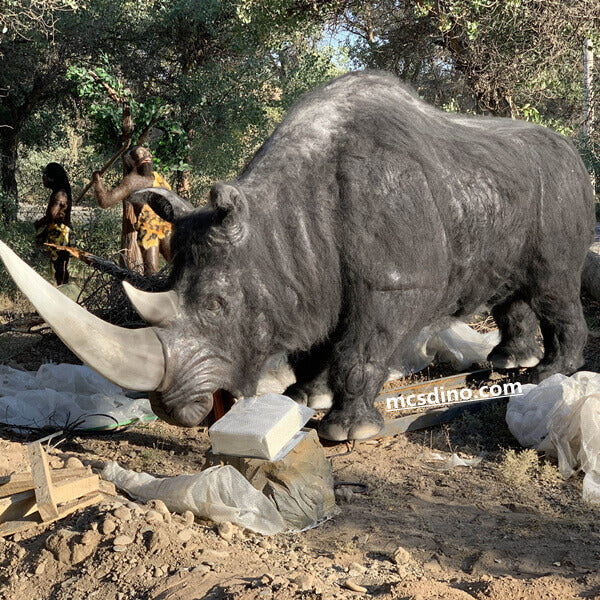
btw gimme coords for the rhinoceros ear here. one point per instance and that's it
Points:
(165, 203)
(231, 212)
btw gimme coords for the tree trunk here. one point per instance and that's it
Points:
(183, 184)
(588, 74)
(9, 139)
(9, 199)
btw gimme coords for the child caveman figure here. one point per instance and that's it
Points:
(55, 226)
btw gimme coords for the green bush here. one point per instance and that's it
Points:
(8, 206)
(79, 167)
(100, 235)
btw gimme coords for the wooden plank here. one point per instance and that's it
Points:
(44, 489)
(448, 383)
(17, 485)
(107, 488)
(432, 418)
(21, 482)
(12, 527)
(17, 506)
(71, 507)
(24, 503)
(75, 488)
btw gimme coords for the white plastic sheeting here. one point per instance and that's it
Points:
(458, 344)
(561, 416)
(219, 493)
(59, 395)
(444, 462)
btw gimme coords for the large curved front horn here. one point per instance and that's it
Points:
(130, 358)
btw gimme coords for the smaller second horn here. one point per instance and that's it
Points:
(154, 307)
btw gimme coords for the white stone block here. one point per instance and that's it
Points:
(258, 427)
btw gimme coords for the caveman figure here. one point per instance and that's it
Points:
(153, 233)
(55, 226)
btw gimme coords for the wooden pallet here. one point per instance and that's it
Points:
(44, 495)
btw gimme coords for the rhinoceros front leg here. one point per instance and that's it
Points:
(355, 385)
(374, 326)
(358, 368)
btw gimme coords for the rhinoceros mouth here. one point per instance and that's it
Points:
(189, 415)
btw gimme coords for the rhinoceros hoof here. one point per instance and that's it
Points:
(351, 423)
(502, 358)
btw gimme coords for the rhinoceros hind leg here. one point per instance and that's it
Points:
(518, 346)
(563, 328)
(315, 394)
(298, 393)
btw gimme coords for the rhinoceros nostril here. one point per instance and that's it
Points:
(188, 415)
(159, 410)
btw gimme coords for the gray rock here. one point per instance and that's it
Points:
(122, 513)
(123, 540)
(401, 556)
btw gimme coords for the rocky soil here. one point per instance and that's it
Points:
(506, 529)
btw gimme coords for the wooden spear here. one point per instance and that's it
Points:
(105, 168)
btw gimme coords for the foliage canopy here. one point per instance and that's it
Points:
(208, 80)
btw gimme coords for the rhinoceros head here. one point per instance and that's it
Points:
(204, 334)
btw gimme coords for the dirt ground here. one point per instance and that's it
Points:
(509, 528)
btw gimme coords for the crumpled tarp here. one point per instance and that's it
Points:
(441, 462)
(58, 396)
(561, 416)
(220, 493)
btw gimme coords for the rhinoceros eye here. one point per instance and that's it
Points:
(213, 304)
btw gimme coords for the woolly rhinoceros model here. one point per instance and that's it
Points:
(365, 217)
